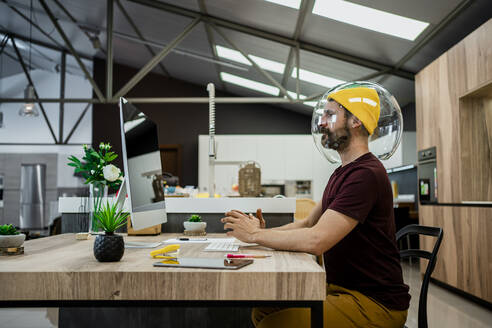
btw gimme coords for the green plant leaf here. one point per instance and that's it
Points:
(8, 229)
(195, 218)
(109, 218)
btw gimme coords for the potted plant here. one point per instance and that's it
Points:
(10, 237)
(109, 247)
(195, 223)
(95, 167)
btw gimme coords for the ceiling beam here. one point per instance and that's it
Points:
(61, 119)
(430, 35)
(29, 79)
(109, 48)
(154, 61)
(140, 35)
(306, 6)
(81, 116)
(255, 65)
(40, 43)
(94, 40)
(163, 100)
(277, 38)
(211, 42)
(72, 50)
(32, 23)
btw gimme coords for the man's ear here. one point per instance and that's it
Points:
(356, 122)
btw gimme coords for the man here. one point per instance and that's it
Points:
(352, 227)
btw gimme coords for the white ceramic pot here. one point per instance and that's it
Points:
(12, 240)
(194, 226)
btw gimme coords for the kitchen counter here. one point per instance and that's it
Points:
(277, 211)
(196, 205)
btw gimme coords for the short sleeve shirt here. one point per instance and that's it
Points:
(367, 259)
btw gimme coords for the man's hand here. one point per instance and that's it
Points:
(242, 226)
(259, 220)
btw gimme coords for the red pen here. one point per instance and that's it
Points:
(244, 256)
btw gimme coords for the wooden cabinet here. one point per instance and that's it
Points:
(465, 257)
(454, 113)
(453, 126)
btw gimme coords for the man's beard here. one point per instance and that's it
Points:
(337, 142)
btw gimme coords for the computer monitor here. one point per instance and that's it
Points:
(141, 159)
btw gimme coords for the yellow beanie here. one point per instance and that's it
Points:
(362, 102)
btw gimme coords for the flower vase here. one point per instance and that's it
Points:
(97, 192)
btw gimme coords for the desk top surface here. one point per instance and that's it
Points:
(62, 268)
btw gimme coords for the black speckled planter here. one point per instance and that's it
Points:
(109, 248)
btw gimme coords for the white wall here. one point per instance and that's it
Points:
(282, 157)
(34, 129)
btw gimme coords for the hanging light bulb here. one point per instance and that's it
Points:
(29, 108)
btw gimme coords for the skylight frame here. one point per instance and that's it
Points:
(370, 18)
(249, 84)
(295, 4)
(264, 63)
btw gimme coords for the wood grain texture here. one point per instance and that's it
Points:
(154, 230)
(454, 113)
(476, 145)
(62, 268)
(438, 88)
(465, 257)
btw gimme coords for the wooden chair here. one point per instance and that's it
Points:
(304, 206)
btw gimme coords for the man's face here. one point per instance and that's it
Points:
(334, 127)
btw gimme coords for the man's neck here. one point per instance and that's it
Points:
(356, 149)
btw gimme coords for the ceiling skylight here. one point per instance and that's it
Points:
(250, 84)
(369, 18)
(288, 3)
(234, 55)
(315, 78)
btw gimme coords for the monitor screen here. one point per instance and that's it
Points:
(141, 160)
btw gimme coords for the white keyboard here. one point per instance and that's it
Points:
(222, 247)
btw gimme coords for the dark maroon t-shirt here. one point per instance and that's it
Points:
(367, 259)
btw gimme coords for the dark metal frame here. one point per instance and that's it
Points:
(96, 89)
(109, 49)
(274, 37)
(315, 306)
(62, 95)
(211, 22)
(415, 229)
(140, 35)
(28, 76)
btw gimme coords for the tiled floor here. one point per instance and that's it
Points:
(27, 318)
(445, 309)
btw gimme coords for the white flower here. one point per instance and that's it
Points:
(111, 172)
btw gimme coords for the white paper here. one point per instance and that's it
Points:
(197, 240)
(141, 244)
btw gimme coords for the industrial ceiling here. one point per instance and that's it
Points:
(256, 27)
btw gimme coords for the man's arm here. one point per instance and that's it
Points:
(308, 222)
(323, 235)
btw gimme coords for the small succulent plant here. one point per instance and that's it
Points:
(195, 218)
(8, 229)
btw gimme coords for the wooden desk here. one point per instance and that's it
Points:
(61, 271)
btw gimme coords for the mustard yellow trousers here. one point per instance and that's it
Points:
(341, 308)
